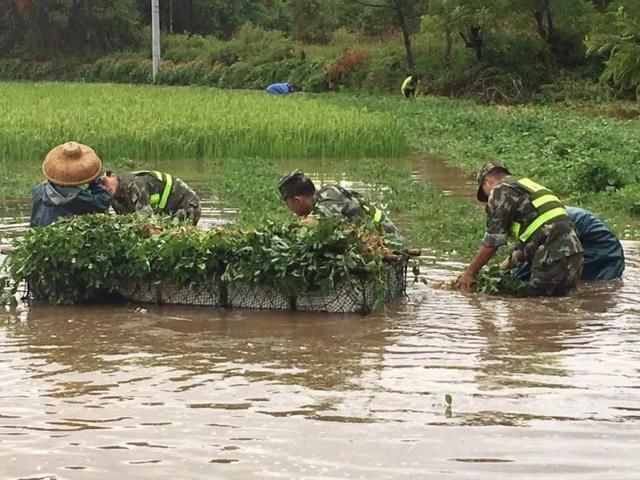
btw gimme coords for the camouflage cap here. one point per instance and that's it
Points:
(485, 170)
(292, 183)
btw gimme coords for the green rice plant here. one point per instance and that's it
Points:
(143, 122)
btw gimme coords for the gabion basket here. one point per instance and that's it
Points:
(353, 295)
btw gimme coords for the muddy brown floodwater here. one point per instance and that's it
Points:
(540, 388)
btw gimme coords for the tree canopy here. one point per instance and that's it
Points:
(501, 32)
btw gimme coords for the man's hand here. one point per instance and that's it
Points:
(480, 260)
(309, 220)
(465, 282)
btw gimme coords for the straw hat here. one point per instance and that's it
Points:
(71, 164)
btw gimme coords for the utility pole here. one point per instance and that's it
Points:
(155, 36)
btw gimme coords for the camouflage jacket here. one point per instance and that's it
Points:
(134, 195)
(333, 202)
(508, 204)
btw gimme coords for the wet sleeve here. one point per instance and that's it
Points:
(500, 213)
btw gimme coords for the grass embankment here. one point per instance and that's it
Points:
(592, 161)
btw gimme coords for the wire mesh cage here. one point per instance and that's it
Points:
(356, 294)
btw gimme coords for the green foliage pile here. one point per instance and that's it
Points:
(494, 281)
(85, 258)
(491, 280)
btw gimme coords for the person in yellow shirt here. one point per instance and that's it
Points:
(410, 86)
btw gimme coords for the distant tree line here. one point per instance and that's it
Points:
(88, 29)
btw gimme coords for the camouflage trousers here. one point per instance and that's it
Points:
(555, 278)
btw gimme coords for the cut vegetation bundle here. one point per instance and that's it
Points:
(334, 266)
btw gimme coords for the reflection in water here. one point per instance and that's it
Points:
(449, 180)
(539, 387)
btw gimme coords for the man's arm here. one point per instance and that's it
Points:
(501, 208)
(480, 260)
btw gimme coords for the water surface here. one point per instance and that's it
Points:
(540, 388)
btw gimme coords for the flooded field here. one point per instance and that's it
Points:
(544, 388)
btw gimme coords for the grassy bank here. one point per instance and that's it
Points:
(591, 160)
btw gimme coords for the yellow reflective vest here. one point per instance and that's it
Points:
(158, 201)
(548, 207)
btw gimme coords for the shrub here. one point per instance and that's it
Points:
(256, 45)
(345, 66)
(596, 175)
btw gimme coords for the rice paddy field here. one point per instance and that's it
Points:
(170, 123)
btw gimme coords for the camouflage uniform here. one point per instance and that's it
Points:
(554, 250)
(333, 201)
(134, 195)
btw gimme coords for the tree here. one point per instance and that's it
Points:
(42, 28)
(221, 18)
(407, 14)
(446, 16)
(313, 20)
(467, 17)
(618, 37)
(561, 24)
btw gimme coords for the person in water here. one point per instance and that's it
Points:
(68, 168)
(333, 201)
(148, 192)
(603, 252)
(537, 220)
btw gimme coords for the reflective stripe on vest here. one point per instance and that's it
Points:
(548, 207)
(159, 201)
(376, 216)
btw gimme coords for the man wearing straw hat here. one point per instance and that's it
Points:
(148, 192)
(67, 167)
